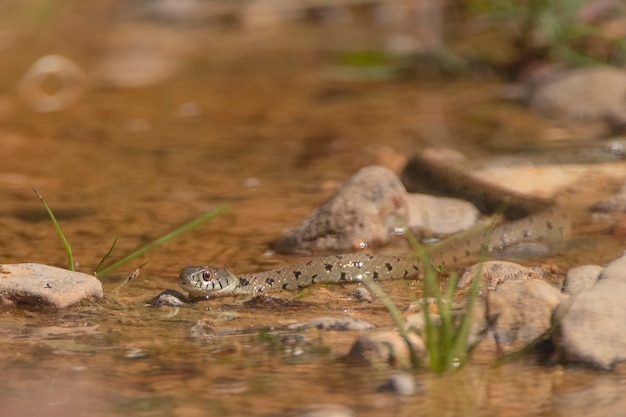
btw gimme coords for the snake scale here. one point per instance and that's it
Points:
(537, 219)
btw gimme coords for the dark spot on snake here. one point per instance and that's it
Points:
(406, 273)
(270, 281)
(243, 282)
(285, 286)
(297, 274)
(309, 263)
(314, 276)
(339, 257)
(549, 225)
(370, 257)
(342, 277)
(375, 275)
(388, 266)
(328, 267)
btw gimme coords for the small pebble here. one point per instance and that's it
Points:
(363, 295)
(400, 384)
(169, 298)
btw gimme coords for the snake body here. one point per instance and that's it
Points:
(202, 281)
(538, 219)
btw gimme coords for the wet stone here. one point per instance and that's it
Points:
(36, 286)
(335, 323)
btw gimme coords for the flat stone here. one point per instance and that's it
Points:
(37, 286)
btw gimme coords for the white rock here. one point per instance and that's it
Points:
(37, 286)
(440, 215)
(592, 327)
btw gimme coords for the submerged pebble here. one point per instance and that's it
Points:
(400, 383)
(335, 323)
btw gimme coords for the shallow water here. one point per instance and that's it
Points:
(270, 136)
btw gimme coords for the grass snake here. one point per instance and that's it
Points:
(536, 219)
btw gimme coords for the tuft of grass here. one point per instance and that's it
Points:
(66, 244)
(161, 240)
(446, 337)
(397, 319)
(101, 270)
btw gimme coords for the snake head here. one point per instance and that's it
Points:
(202, 281)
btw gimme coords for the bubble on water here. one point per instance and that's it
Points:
(251, 182)
(188, 109)
(53, 83)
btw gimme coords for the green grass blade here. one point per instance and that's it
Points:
(396, 317)
(165, 238)
(66, 244)
(105, 257)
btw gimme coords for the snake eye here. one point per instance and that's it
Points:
(207, 275)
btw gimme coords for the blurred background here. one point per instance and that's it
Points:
(133, 116)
